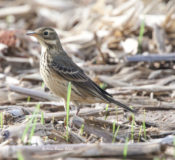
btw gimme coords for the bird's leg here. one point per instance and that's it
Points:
(77, 107)
(65, 109)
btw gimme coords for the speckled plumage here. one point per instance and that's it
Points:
(57, 69)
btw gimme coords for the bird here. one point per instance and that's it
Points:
(57, 69)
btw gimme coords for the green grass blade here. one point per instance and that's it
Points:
(33, 128)
(132, 127)
(26, 130)
(141, 33)
(106, 109)
(103, 85)
(157, 158)
(30, 122)
(28, 99)
(20, 156)
(34, 123)
(174, 145)
(67, 110)
(42, 85)
(140, 132)
(113, 127)
(144, 125)
(82, 129)
(1, 119)
(125, 150)
(115, 134)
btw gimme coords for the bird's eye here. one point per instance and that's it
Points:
(46, 33)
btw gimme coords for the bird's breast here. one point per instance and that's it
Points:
(52, 80)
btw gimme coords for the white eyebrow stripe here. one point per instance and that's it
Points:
(53, 42)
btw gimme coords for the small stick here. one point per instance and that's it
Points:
(151, 58)
(33, 93)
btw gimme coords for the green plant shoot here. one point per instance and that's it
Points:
(67, 110)
(115, 134)
(125, 151)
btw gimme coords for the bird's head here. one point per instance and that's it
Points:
(46, 36)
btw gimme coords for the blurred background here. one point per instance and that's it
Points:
(93, 26)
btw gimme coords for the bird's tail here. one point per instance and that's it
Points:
(107, 97)
(111, 100)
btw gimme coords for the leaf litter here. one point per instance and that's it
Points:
(126, 47)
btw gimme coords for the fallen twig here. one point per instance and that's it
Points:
(83, 112)
(33, 93)
(16, 10)
(151, 58)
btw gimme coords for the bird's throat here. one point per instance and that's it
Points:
(43, 49)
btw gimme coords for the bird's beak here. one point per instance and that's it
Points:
(32, 33)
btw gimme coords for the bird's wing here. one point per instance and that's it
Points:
(68, 72)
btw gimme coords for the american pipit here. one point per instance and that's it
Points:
(57, 70)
